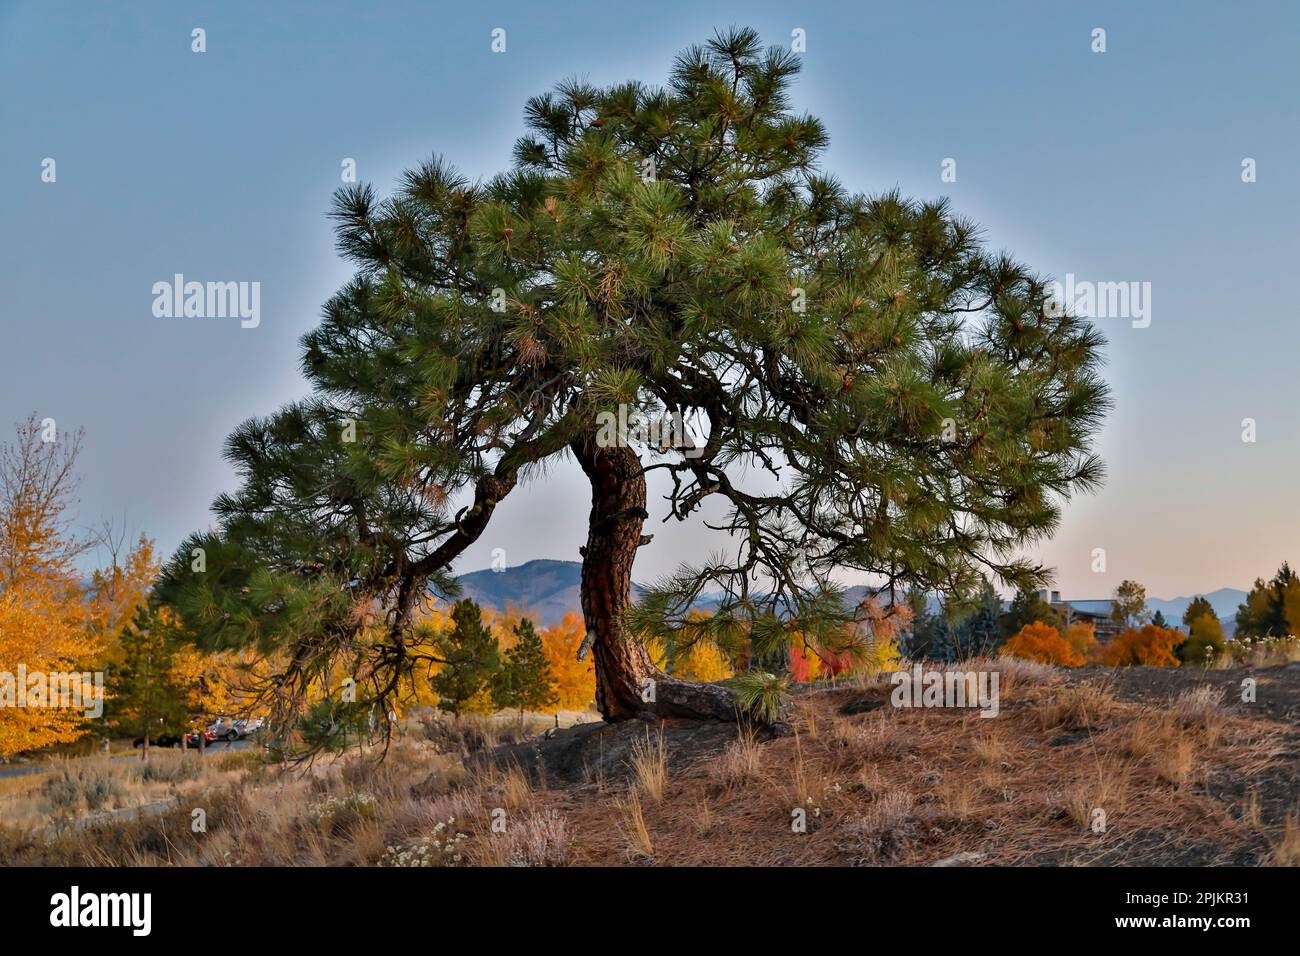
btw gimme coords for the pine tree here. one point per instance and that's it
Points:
(1272, 609)
(917, 402)
(524, 682)
(470, 657)
(1026, 608)
(919, 636)
(145, 699)
(977, 630)
(1200, 606)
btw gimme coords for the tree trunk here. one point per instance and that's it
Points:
(628, 685)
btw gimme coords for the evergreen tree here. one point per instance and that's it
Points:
(919, 640)
(1199, 607)
(1205, 642)
(525, 681)
(1026, 608)
(917, 402)
(1272, 609)
(144, 698)
(978, 631)
(470, 657)
(1158, 619)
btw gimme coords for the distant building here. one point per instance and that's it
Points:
(1096, 613)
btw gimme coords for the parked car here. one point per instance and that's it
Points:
(192, 739)
(232, 730)
(164, 740)
(223, 728)
(248, 727)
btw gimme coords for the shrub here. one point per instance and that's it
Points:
(761, 695)
(442, 847)
(1205, 645)
(72, 782)
(538, 840)
(1082, 637)
(1043, 643)
(1085, 705)
(171, 769)
(1150, 646)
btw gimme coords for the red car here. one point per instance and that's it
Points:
(192, 739)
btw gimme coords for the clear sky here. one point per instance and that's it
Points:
(1122, 166)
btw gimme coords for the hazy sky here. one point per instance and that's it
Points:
(1122, 166)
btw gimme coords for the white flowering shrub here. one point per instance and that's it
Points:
(342, 810)
(442, 847)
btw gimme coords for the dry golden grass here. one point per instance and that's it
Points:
(890, 785)
(1286, 851)
(990, 748)
(915, 786)
(1176, 761)
(633, 826)
(742, 762)
(959, 796)
(705, 818)
(1251, 815)
(1083, 705)
(1102, 790)
(650, 766)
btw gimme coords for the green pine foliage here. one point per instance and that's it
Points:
(869, 388)
(1272, 608)
(1026, 608)
(761, 696)
(1199, 607)
(524, 681)
(470, 657)
(143, 697)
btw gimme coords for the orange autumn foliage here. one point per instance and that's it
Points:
(1149, 647)
(1082, 636)
(868, 645)
(575, 680)
(42, 615)
(1043, 643)
(115, 593)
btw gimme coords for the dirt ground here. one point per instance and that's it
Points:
(889, 786)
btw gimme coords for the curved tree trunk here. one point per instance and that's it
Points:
(628, 684)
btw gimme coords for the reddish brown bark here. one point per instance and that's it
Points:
(628, 684)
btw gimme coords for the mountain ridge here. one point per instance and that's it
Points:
(549, 588)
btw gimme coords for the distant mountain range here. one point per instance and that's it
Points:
(549, 589)
(1224, 601)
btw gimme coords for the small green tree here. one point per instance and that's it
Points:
(470, 657)
(975, 630)
(146, 700)
(1272, 608)
(1203, 647)
(1026, 608)
(525, 682)
(1199, 606)
(920, 636)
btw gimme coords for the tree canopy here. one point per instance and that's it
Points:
(866, 387)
